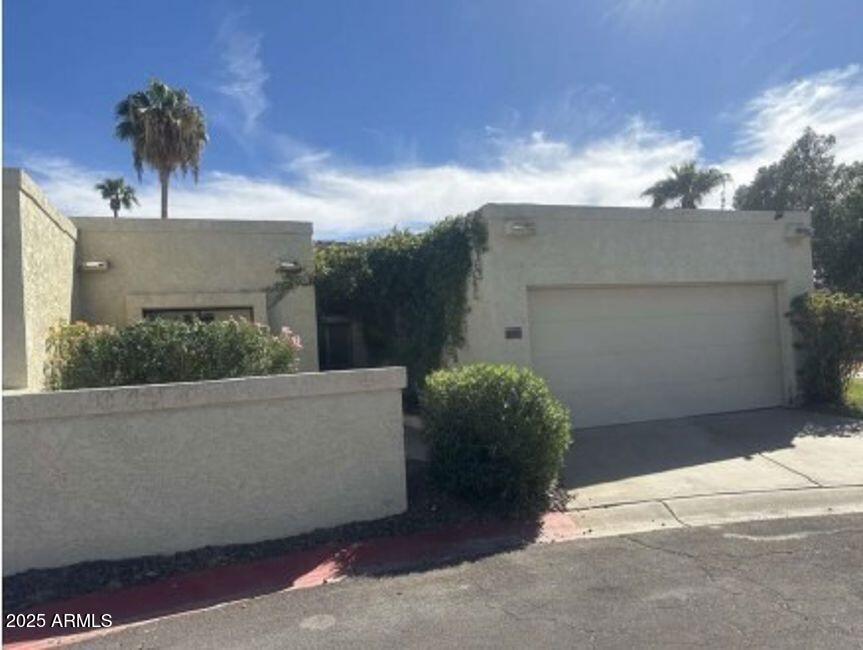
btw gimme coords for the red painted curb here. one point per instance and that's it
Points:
(297, 570)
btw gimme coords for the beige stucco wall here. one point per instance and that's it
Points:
(195, 263)
(590, 246)
(122, 472)
(38, 277)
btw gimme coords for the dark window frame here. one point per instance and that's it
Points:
(155, 312)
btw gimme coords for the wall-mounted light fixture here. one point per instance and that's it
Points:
(796, 231)
(95, 266)
(289, 267)
(520, 228)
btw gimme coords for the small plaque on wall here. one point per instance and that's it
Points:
(512, 333)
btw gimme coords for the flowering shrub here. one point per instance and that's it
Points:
(160, 351)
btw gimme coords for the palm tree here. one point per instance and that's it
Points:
(167, 132)
(118, 194)
(687, 183)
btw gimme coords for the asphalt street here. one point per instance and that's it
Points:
(793, 583)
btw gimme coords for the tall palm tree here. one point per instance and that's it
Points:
(167, 132)
(687, 183)
(118, 194)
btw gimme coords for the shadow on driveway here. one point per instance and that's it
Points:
(614, 453)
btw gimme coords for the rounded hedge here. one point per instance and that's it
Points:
(496, 435)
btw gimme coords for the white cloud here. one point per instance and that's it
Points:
(350, 201)
(830, 102)
(244, 71)
(343, 200)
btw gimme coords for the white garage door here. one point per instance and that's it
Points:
(626, 354)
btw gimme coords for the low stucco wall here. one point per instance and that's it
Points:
(575, 246)
(38, 276)
(123, 472)
(187, 263)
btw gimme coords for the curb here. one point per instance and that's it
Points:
(187, 593)
(298, 570)
(716, 510)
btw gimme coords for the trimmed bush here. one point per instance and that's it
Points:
(830, 328)
(160, 351)
(496, 435)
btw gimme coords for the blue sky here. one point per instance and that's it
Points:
(362, 115)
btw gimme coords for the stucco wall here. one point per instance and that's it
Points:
(38, 277)
(122, 472)
(199, 262)
(590, 246)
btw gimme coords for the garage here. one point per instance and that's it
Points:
(628, 353)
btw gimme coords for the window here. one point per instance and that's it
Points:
(205, 314)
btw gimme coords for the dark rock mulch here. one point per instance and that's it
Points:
(427, 509)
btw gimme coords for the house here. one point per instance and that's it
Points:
(117, 271)
(638, 314)
(629, 313)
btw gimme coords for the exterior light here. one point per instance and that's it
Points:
(520, 228)
(289, 267)
(796, 232)
(95, 266)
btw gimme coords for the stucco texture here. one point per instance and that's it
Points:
(38, 276)
(123, 472)
(195, 263)
(535, 246)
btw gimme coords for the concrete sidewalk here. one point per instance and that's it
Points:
(714, 469)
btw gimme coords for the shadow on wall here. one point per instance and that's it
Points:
(603, 454)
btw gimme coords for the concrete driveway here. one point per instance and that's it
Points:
(766, 450)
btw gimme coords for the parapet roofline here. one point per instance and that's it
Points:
(629, 213)
(174, 224)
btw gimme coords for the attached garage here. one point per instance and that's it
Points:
(624, 354)
(637, 314)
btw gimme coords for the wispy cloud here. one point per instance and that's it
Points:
(344, 200)
(830, 102)
(243, 71)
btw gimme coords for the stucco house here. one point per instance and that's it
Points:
(633, 313)
(629, 313)
(116, 271)
(639, 314)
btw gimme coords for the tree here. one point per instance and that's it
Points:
(840, 234)
(807, 178)
(118, 194)
(167, 132)
(800, 180)
(688, 184)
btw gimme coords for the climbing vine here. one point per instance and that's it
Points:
(408, 291)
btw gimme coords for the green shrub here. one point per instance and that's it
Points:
(160, 351)
(830, 328)
(496, 435)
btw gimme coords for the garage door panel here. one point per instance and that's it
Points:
(632, 353)
(636, 332)
(653, 402)
(599, 303)
(659, 365)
